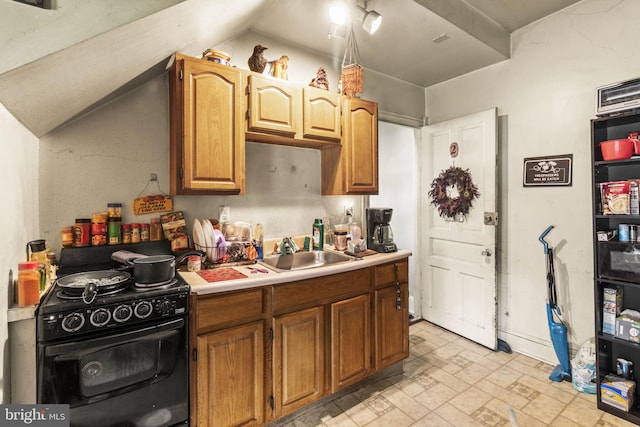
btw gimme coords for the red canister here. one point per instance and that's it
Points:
(99, 229)
(82, 232)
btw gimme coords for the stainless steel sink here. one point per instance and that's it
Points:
(304, 260)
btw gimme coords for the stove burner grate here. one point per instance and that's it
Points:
(77, 297)
(159, 285)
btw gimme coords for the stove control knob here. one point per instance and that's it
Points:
(122, 313)
(100, 317)
(143, 310)
(73, 322)
(165, 307)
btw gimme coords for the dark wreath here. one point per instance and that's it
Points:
(452, 206)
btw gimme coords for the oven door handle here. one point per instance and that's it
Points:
(72, 351)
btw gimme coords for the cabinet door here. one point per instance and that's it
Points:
(272, 106)
(392, 325)
(207, 132)
(321, 114)
(350, 341)
(353, 167)
(298, 359)
(230, 376)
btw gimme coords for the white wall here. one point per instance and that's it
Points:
(545, 96)
(18, 177)
(398, 188)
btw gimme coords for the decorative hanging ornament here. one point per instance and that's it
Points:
(351, 74)
(453, 192)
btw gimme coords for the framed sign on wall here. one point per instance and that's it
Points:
(548, 171)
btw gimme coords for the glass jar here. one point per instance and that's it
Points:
(66, 236)
(155, 229)
(28, 283)
(82, 232)
(144, 232)
(126, 234)
(135, 233)
(114, 210)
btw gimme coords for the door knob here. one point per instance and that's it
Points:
(486, 252)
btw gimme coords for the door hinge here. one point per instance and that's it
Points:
(248, 115)
(271, 334)
(194, 354)
(180, 75)
(272, 402)
(181, 173)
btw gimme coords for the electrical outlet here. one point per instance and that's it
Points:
(348, 209)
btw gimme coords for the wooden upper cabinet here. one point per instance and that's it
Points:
(206, 128)
(321, 114)
(353, 168)
(273, 105)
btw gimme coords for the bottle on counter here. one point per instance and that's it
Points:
(318, 235)
(144, 232)
(66, 236)
(99, 229)
(28, 283)
(114, 210)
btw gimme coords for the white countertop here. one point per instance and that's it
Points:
(256, 279)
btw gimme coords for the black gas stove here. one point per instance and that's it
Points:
(120, 356)
(63, 314)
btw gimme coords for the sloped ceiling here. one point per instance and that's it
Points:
(49, 91)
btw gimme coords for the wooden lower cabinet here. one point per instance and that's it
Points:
(230, 375)
(350, 341)
(265, 352)
(391, 328)
(391, 325)
(298, 355)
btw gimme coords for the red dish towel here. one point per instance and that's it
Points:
(220, 274)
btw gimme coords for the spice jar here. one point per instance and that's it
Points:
(155, 229)
(194, 263)
(66, 236)
(126, 233)
(114, 210)
(144, 232)
(28, 283)
(113, 231)
(135, 233)
(82, 232)
(99, 229)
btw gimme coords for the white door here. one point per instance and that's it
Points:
(458, 258)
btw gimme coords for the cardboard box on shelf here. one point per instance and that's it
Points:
(617, 392)
(611, 307)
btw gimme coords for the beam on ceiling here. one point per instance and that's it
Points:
(471, 21)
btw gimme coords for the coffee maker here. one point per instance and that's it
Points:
(379, 234)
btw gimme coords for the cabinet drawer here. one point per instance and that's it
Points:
(321, 290)
(386, 274)
(221, 311)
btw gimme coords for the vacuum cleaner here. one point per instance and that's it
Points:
(557, 329)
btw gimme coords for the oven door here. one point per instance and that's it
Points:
(136, 377)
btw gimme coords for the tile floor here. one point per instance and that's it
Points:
(451, 381)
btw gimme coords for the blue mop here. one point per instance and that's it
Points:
(557, 330)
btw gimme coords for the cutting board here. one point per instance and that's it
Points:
(220, 274)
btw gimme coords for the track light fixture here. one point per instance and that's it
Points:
(339, 12)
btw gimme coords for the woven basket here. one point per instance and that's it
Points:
(351, 77)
